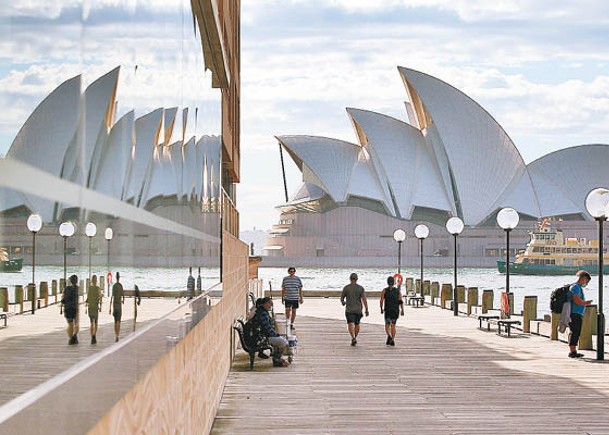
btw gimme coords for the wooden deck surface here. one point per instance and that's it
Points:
(443, 377)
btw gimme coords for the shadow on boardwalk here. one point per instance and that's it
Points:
(427, 384)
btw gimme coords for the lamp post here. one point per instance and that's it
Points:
(421, 231)
(66, 229)
(108, 234)
(597, 204)
(34, 224)
(508, 219)
(399, 236)
(455, 226)
(90, 231)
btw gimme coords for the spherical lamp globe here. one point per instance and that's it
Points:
(399, 235)
(508, 218)
(34, 223)
(454, 226)
(421, 231)
(597, 202)
(67, 229)
(108, 234)
(91, 229)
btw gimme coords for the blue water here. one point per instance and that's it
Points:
(483, 278)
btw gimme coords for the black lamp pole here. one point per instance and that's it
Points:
(455, 303)
(600, 319)
(422, 292)
(399, 257)
(507, 269)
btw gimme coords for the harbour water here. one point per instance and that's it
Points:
(483, 278)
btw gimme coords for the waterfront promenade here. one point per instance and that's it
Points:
(34, 349)
(443, 377)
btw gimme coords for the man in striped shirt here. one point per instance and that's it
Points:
(291, 295)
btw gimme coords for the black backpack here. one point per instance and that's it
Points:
(559, 297)
(251, 334)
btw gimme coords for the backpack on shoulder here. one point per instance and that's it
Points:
(559, 297)
(251, 334)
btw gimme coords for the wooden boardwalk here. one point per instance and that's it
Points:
(443, 377)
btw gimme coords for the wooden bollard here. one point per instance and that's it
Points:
(460, 294)
(62, 285)
(511, 302)
(529, 312)
(554, 326)
(19, 297)
(409, 285)
(487, 300)
(417, 286)
(585, 339)
(44, 292)
(54, 289)
(31, 295)
(446, 294)
(472, 298)
(4, 299)
(435, 290)
(426, 287)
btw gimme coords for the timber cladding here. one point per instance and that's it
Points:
(181, 393)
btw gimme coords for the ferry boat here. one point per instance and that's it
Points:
(549, 253)
(8, 265)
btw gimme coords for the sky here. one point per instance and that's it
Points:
(539, 67)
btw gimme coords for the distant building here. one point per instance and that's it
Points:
(450, 159)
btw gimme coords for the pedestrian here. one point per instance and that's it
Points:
(391, 305)
(116, 305)
(93, 307)
(578, 307)
(291, 295)
(70, 307)
(263, 320)
(190, 285)
(137, 299)
(352, 298)
(199, 283)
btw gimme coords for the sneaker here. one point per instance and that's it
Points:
(388, 342)
(391, 342)
(71, 341)
(93, 340)
(280, 363)
(353, 341)
(292, 327)
(75, 337)
(263, 355)
(575, 354)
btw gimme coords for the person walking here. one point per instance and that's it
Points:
(352, 298)
(578, 307)
(93, 307)
(116, 305)
(190, 285)
(199, 283)
(291, 295)
(392, 306)
(70, 308)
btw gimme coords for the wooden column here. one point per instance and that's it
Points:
(460, 294)
(31, 295)
(472, 299)
(488, 297)
(44, 292)
(446, 294)
(4, 299)
(19, 297)
(54, 289)
(529, 312)
(435, 291)
(554, 326)
(426, 287)
(417, 286)
(511, 302)
(585, 338)
(409, 285)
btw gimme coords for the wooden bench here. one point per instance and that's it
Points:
(506, 325)
(415, 300)
(488, 318)
(260, 346)
(5, 317)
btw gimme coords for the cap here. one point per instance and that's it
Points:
(353, 277)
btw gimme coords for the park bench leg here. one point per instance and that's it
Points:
(252, 357)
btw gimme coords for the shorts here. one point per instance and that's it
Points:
(353, 318)
(575, 325)
(69, 314)
(93, 318)
(391, 317)
(117, 315)
(289, 303)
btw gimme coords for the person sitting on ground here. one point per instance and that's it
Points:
(391, 304)
(70, 308)
(93, 307)
(265, 323)
(578, 307)
(352, 297)
(116, 305)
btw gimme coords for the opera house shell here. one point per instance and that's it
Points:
(145, 161)
(450, 158)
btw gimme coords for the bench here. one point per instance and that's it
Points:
(5, 317)
(260, 346)
(506, 325)
(488, 318)
(415, 300)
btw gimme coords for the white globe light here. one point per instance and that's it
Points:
(421, 231)
(91, 229)
(454, 225)
(508, 218)
(109, 233)
(67, 229)
(34, 223)
(597, 202)
(399, 235)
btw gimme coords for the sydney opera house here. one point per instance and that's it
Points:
(143, 163)
(449, 158)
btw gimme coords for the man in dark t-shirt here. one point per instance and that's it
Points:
(70, 308)
(352, 298)
(116, 305)
(392, 305)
